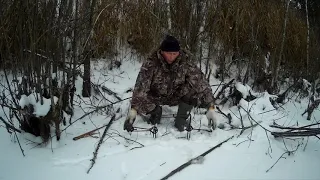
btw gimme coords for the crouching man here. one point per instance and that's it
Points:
(168, 77)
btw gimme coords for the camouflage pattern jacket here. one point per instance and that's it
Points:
(160, 83)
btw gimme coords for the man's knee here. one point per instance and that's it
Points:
(196, 100)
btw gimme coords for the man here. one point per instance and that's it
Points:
(168, 77)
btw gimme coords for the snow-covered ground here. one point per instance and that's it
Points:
(248, 156)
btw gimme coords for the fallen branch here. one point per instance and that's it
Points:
(90, 133)
(245, 128)
(180, 168)
(309, 125)
(296, 131)
(93, 160)
(110, 92)
(87, 134)
(295, 128)
(277, 161)
(295, 134)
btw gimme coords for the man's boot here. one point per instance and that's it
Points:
(182, 115)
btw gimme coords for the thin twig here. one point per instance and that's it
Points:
(95, 110)
(255, 120)
(304, 149)
(244, 141)
(22, 151)
(277, 161)
(127, 139)
(9, 126)
(287, 152)
(266, 130)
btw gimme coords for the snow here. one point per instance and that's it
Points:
(39, 109)
(243, 89)
(247, 156)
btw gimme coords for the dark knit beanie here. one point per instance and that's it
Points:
(170, 44)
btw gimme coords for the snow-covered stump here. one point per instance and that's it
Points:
(38, 118)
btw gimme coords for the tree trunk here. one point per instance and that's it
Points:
(75, 51)
(277, 68)
(86, 91)
(169, 16)
(308, 36)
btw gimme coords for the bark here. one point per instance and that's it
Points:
(169, 15)
(86, 91)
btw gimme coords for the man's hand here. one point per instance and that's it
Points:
(128, 124)
(211, 115)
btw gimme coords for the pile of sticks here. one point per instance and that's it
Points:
(307, 130)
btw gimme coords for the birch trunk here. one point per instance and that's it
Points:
(169, 15)
(308, 36)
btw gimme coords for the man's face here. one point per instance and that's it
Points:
(170, 57)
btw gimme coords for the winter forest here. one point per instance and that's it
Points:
(68, 70)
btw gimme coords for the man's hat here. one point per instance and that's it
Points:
(170, 44)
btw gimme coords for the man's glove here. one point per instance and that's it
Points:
(130, 120)
(156, 114)
(211, 115)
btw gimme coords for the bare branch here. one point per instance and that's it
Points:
(9, 126)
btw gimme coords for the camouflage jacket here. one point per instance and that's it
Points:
(161, 83)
